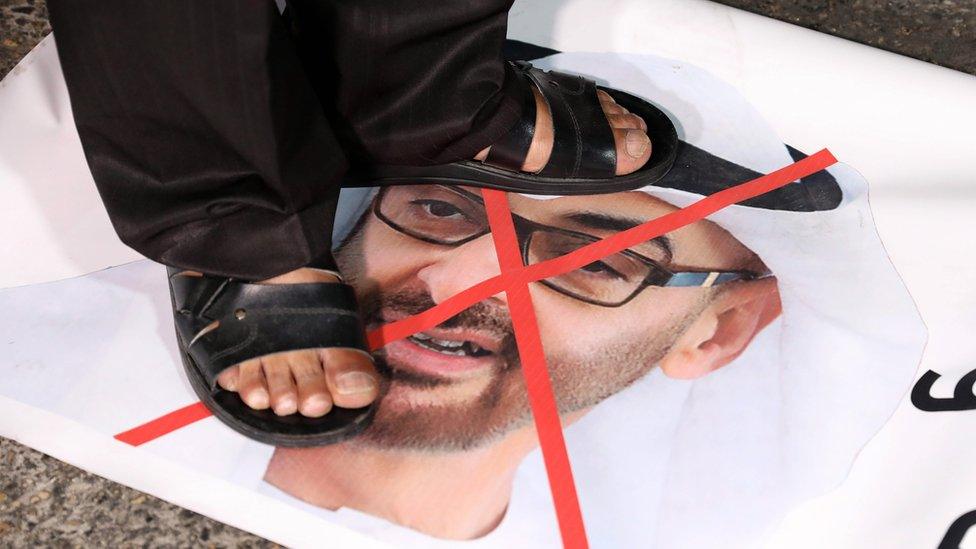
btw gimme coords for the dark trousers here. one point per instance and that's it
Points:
(218, 132)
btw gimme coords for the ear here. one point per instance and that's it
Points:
(724, 329)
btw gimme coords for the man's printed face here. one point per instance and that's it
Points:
(459, 385)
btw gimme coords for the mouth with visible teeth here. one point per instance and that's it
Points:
(454, 352)
(449, 347)
(447, 355)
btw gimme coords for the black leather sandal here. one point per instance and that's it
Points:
(221, 322)
(584, 155)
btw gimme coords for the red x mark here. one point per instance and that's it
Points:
(514, 280)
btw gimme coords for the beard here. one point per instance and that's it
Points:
(498, 408)
(580, 378)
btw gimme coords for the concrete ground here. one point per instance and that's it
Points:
(44, 502)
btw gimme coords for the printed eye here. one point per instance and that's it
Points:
(440, 209)
(601, 268)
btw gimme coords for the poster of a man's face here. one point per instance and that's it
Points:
(688, 302)
(708, 379)
(603, 326)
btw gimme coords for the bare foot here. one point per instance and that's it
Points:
(309, 382)
(629, 132)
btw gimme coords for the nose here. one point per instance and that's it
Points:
(460, 268)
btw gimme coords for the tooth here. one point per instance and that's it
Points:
(452, 348)
(448, 344)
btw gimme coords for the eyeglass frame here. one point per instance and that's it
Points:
(525, 228)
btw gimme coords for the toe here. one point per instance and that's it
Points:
(633, 149)
(629, 120)
(281, 386)
(351, 377)
(251, 385)
(629, 133)
(313, 393)
(613, 108)
(228, 378)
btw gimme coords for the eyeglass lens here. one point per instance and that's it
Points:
(434, 213)
(608, 281)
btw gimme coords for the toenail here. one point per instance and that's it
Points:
(637, 142)
(315, 404)
(286, 405)
(257, 398)
(352, 383)
(230, 384)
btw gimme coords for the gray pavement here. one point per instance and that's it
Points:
(44, 502)
(938, 31)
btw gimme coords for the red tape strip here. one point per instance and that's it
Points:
(536, 374)
(164, 424)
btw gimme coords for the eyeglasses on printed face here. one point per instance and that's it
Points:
(451, 216)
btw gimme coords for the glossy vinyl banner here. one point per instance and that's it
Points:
(710, 375)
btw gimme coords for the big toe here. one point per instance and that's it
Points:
(351, 376)
(629, 133)
(633, 149)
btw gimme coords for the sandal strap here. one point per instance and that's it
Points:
(512, 149)
(261, 319)
(583, 144)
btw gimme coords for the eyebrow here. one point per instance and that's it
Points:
(606, 222)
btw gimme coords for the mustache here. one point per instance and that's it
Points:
(485, 317)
